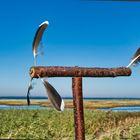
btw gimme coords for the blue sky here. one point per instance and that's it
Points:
(80, 33)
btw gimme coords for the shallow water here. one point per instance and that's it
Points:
(123, 109)
(115, 109)
(22, 107)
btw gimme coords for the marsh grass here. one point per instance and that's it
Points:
(88, 104)
(53, 125)
(35, 124)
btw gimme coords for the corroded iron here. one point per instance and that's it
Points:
(78, 73)
(78, 108)
(57, 71)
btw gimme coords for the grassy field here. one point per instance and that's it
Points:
(88, 104)
(52, 125)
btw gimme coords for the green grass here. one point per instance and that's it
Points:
(53, 125)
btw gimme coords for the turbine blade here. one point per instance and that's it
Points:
(30, 87)
(54, 96)
(38, 37)
(136, 58)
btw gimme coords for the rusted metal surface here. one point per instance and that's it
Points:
(77, 73)
(56, 71)
(78, 108)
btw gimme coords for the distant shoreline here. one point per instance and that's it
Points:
(88, 103)
(66, 98)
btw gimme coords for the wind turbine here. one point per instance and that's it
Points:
(53, 95)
